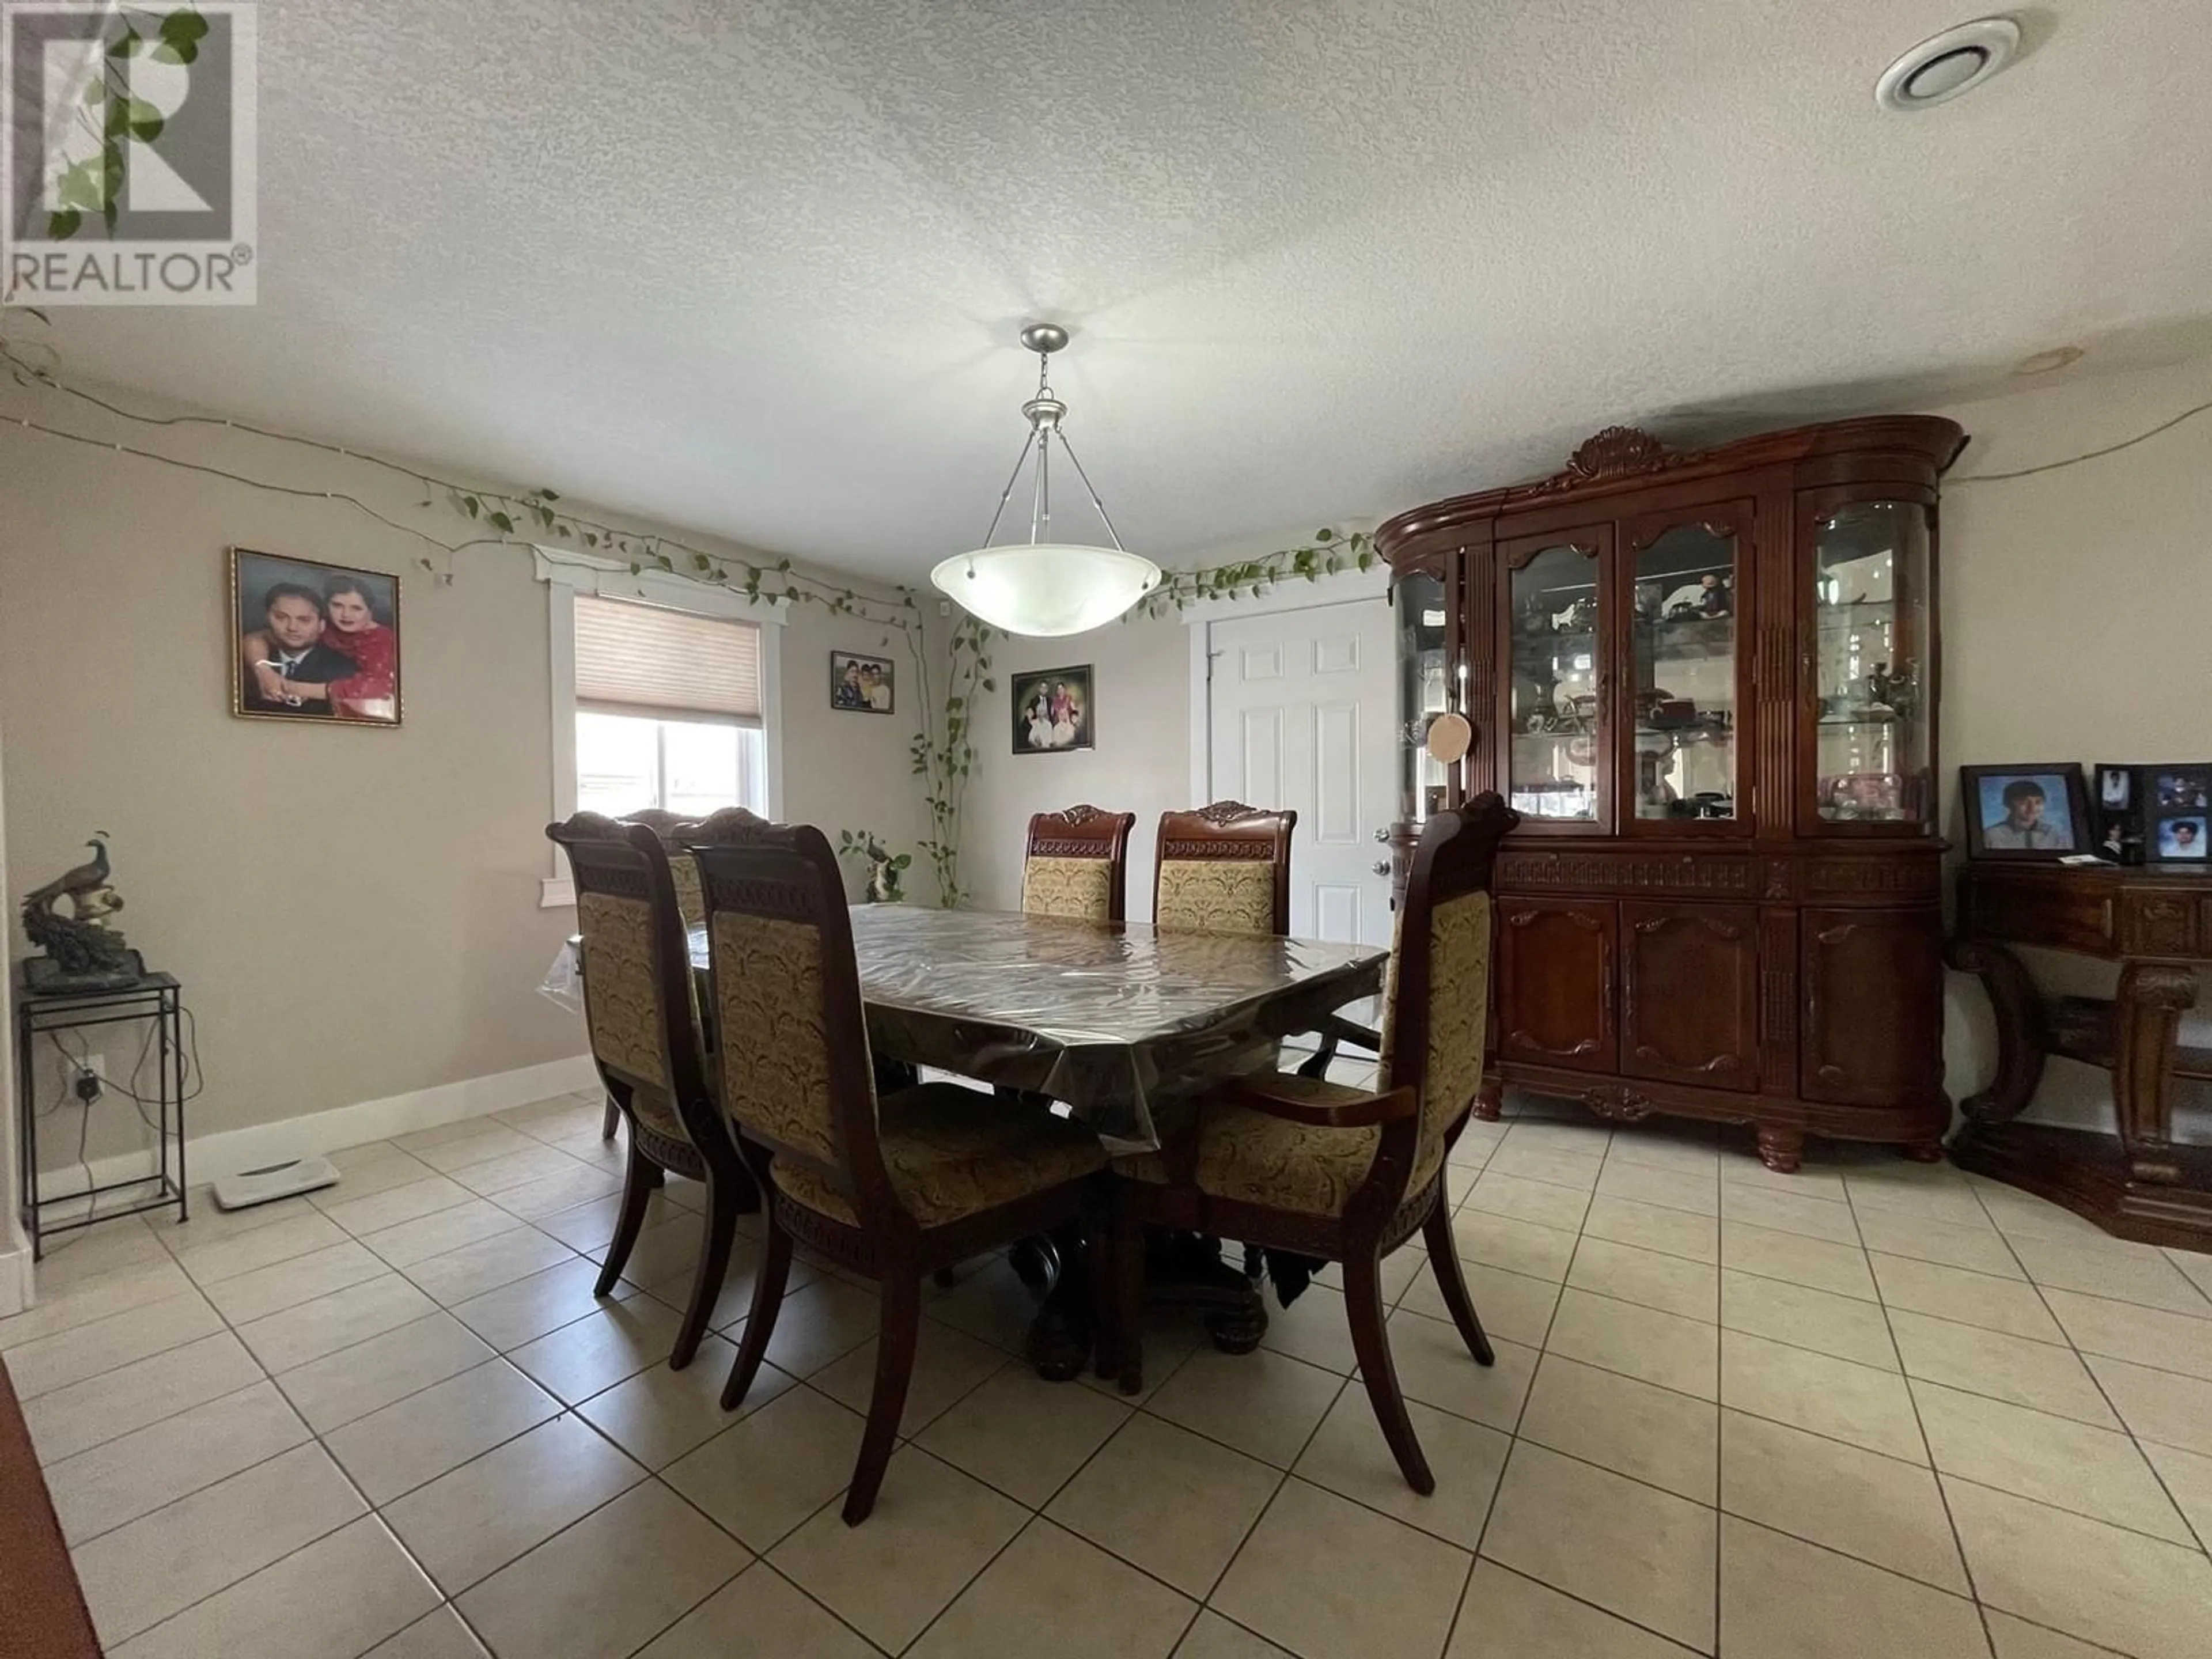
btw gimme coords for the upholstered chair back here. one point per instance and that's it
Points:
(792, 1043)
(1077, 865)
(636, 971)
(1225, 869)
(1436, 1009)
(670, 826)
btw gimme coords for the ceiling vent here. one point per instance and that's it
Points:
(1956, 61)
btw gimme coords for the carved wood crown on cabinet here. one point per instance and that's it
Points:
(1780, 966)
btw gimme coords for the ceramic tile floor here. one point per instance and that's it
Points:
(1875, 1408)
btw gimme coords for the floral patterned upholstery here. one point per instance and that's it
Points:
(621, 1002)
(658, 1113)
(1080, 889)
(1248, 1156)
(690, 898)
(1216, 895)
(773, 1046)
(951, 1152)
(1459, 1011)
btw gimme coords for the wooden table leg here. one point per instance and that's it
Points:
(2022, 1039)
(2146, 1024)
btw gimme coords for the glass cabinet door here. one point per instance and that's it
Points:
(1555, 625)
(1687, 598)
(1423, 693)
(1872, 665)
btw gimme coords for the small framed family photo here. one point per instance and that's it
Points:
(313, 641)
(2038, 811)
(2160, 812)
(1054, 711)
(2181, 808)
(861, 685)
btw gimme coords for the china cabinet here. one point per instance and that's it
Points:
(1707, 681)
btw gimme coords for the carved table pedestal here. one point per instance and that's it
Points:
(2156, 922)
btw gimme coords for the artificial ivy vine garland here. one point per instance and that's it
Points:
(943, 754)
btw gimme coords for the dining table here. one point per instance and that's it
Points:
(1122, 1022)
(1123, 1025)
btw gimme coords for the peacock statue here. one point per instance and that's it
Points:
(84, 879)
(82, 948)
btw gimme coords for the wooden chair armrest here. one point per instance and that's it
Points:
(1363, 1112)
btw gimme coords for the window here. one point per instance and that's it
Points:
(662, 692)
(626, 762)
(669, 710)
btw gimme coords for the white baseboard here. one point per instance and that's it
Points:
(211, 1157)
(15, 1281)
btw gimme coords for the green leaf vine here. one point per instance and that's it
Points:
(944, 753)
(1329, 553)
(108, 114)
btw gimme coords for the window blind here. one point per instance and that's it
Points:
(641, 659)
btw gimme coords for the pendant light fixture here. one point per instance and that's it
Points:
(1042, 587)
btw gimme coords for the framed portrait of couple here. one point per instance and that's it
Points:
(313, 641)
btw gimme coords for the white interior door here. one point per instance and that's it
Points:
(1302, 706)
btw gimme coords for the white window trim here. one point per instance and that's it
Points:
(567, 573)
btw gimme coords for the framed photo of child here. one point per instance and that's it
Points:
(1054, 711)
(311, 641)
(2037, 810)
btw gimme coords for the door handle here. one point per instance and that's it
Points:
(1382, 866)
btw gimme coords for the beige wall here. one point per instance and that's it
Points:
(2077, 625)
(1141, 763)
(2076, 618)
(354, 913)
(14, 1250)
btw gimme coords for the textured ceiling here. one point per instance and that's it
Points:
(757, 268)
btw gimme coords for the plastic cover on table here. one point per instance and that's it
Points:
(1117, 1022)
(564, 984)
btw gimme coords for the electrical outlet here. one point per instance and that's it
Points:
(88, 1075)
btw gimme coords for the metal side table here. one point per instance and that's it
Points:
(44, 1012)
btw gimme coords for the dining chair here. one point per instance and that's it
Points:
(890, 1187)
(1226, 869)
(664, 823)
(1077, 865)
(668, 826)
(1223, 869)
(1300, 1163)
(639, 1012)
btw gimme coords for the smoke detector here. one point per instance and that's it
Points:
(1946, 65)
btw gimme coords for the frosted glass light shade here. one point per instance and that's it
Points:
(1047, 589)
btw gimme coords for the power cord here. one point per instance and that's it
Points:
(86, 1087)
(2076, 460)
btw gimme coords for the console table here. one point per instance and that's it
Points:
(2154, 920)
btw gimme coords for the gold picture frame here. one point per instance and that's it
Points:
(306, 640)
